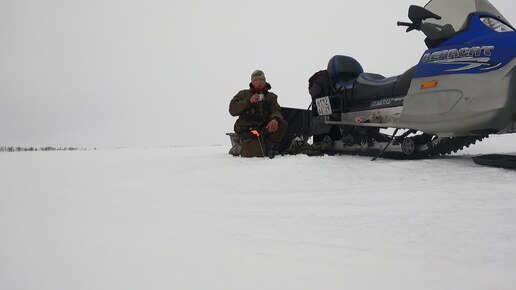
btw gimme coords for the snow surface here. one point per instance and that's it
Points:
(198, 218)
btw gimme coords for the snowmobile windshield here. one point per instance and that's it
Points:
(456, 12)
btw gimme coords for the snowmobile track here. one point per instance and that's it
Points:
(444, 147)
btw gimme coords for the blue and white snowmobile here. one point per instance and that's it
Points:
(462, 90)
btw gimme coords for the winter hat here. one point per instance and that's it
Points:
(257, 74)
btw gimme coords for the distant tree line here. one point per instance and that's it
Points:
(47, 148)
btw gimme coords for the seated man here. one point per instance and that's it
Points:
(260, 124)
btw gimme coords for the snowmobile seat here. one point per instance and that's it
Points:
(369, 86)
(375, 79)
(342, 71)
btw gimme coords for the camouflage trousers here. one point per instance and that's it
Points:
(260, 146)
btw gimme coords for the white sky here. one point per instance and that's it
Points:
(157, 73)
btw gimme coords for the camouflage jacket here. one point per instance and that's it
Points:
(254, 116)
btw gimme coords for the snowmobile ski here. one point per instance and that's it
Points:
(496, 160)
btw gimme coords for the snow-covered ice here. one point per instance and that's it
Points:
(198, 218)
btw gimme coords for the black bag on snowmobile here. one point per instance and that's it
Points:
(319, 85)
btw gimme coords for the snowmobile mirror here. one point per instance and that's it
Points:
(417, 14)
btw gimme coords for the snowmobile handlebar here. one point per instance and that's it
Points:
(417, 15)
(404, 23)
(410, 26)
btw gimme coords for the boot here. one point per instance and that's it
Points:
(271, 149)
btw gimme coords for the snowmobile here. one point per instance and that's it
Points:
(462, 90)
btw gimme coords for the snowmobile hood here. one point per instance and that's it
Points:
(456, 12)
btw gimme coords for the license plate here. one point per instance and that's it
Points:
(323, 106)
